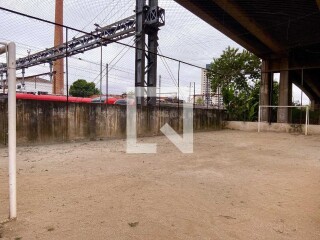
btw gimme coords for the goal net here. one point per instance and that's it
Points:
(284, 110)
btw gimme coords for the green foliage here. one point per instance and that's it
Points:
(238, 75)
(199, 101)
(82, 88)
(234, 67)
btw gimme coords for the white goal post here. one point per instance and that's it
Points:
(10, 50)
(301, 107)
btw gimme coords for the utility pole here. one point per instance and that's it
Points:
(194, 94)
(101, 74)
(107, 81)
(140, 51)
(148, 20)
(3, 84)
(207, 91)
(190, 93)
(22, 82)
(51, 73)
(159, 88)
(152, 58)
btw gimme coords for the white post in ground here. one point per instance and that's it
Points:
(307, 120)
(259, 118)
(11, 64)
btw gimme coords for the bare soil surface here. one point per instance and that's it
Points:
(237, 185)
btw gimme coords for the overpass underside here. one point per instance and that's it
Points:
(284, 34)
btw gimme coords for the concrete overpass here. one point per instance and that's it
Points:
(285, 34)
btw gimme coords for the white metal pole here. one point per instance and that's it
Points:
(107, 82)
(308, 119)
(259, 118)
(306, 126)
(12, 129)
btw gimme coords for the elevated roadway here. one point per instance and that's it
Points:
(284, 34)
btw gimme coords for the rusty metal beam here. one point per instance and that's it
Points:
(250, 24)
(210, 19)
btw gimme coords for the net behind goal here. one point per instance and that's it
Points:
(284, 110)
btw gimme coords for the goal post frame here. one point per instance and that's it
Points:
(10, 50)
(304, 106)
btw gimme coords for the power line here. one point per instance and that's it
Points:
(84, 32)
(169, 71)
(94, 80)
(91, 21)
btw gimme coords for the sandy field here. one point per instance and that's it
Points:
(237, 185)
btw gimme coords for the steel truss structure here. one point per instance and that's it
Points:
(155, 16)
(111, 33)
(146, 21)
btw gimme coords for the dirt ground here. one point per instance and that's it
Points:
(237, 185)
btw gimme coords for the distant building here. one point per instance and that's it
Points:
(34, 85)
(209, 97)
(206, 90)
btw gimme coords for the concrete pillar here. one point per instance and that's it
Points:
(315, 106)
(58, 65)
(265, 90)
(289, 99)
(312, 104)
(285, 92)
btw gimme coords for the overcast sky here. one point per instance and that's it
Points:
(184, 37)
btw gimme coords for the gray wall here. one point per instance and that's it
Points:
(48, 122)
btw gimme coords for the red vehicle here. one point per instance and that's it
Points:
(53, 98)
(111, 100)
(105, 100)
(124, 101)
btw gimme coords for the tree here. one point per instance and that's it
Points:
(199, 101)
(238, 75)
(82, 88)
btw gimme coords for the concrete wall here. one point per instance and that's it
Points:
(274, 127)
(48, 122)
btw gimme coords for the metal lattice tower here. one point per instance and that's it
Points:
(148, 20)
